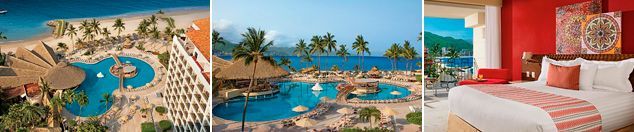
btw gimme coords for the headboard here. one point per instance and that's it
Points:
(534, 65)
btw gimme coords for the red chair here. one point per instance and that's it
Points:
(492, 76)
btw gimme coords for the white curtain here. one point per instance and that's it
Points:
(492, 36)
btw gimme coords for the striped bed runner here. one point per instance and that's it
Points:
(569, 114)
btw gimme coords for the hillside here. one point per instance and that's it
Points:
(431, 39)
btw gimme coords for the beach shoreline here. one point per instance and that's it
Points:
(183, 19)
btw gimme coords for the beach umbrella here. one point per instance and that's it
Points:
(325, 99)
(317, 87)
(239, 70)
(345, 110)
(100, 75)
(129, 86)
(395, 93)
(306, 122)
(300, 108)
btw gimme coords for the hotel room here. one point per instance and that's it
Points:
(558, 66)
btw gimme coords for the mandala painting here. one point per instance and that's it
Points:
(569, 19)
(602, 33)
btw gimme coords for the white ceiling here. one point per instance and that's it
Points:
(450, 10)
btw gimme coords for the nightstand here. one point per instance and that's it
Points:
(519, 81)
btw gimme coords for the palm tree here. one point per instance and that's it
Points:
(393, 53)
(367, 113)
(330, 43)
(216, 38)
(119, 26)
(284, 61)
(300, 48)
(45, 89)
(169, 32)
(155, 32)
(61, 46)
(68, 97)
(2, 37)
(84, 25)
(361, 46)
(71, 31)
(56, 105)
(106, 99)
(95, 26)
(409, 53)
(317, 46)
(88, 34)
(82, 100)
(252, 49)
(343, 52)
(153, 20)
(143, 27)
(105, 33)
(170, 22)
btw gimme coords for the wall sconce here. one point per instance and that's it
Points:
(527, 57)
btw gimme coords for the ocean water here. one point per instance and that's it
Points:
(96, 87)
(27, 18)
(383, 63)
(463, 61)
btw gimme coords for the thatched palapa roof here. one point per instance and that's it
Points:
(238, 70)
(218, 64)
(28, 67)
(64, 76)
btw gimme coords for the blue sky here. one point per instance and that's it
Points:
(448, 27)
(381, 22)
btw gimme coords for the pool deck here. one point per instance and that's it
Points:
(139, 97)
(330, 117)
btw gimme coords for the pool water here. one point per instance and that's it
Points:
(279, 106)
(96, 87)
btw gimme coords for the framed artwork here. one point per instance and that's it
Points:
(601, 33)
(568, 28)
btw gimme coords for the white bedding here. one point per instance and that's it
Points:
(492, 114)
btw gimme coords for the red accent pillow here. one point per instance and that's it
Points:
(566, 77)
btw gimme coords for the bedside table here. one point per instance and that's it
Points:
(519, 81)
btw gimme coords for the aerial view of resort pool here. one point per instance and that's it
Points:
(292, 94)
(95, 87)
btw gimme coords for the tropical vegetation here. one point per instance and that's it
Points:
(415, 118)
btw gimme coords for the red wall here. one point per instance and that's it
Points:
(529, 26)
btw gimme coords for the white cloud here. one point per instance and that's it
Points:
(227, 30)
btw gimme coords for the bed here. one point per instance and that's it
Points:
(471, 109)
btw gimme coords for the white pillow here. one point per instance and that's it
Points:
(613, 76)
(587, 73)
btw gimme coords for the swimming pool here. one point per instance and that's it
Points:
(96, 87)
(292, 94)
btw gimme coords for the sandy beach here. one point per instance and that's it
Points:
(183, 19)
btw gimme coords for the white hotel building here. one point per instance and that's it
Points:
(187, 94)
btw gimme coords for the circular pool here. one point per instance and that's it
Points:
(95, 87)
(279, 106)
